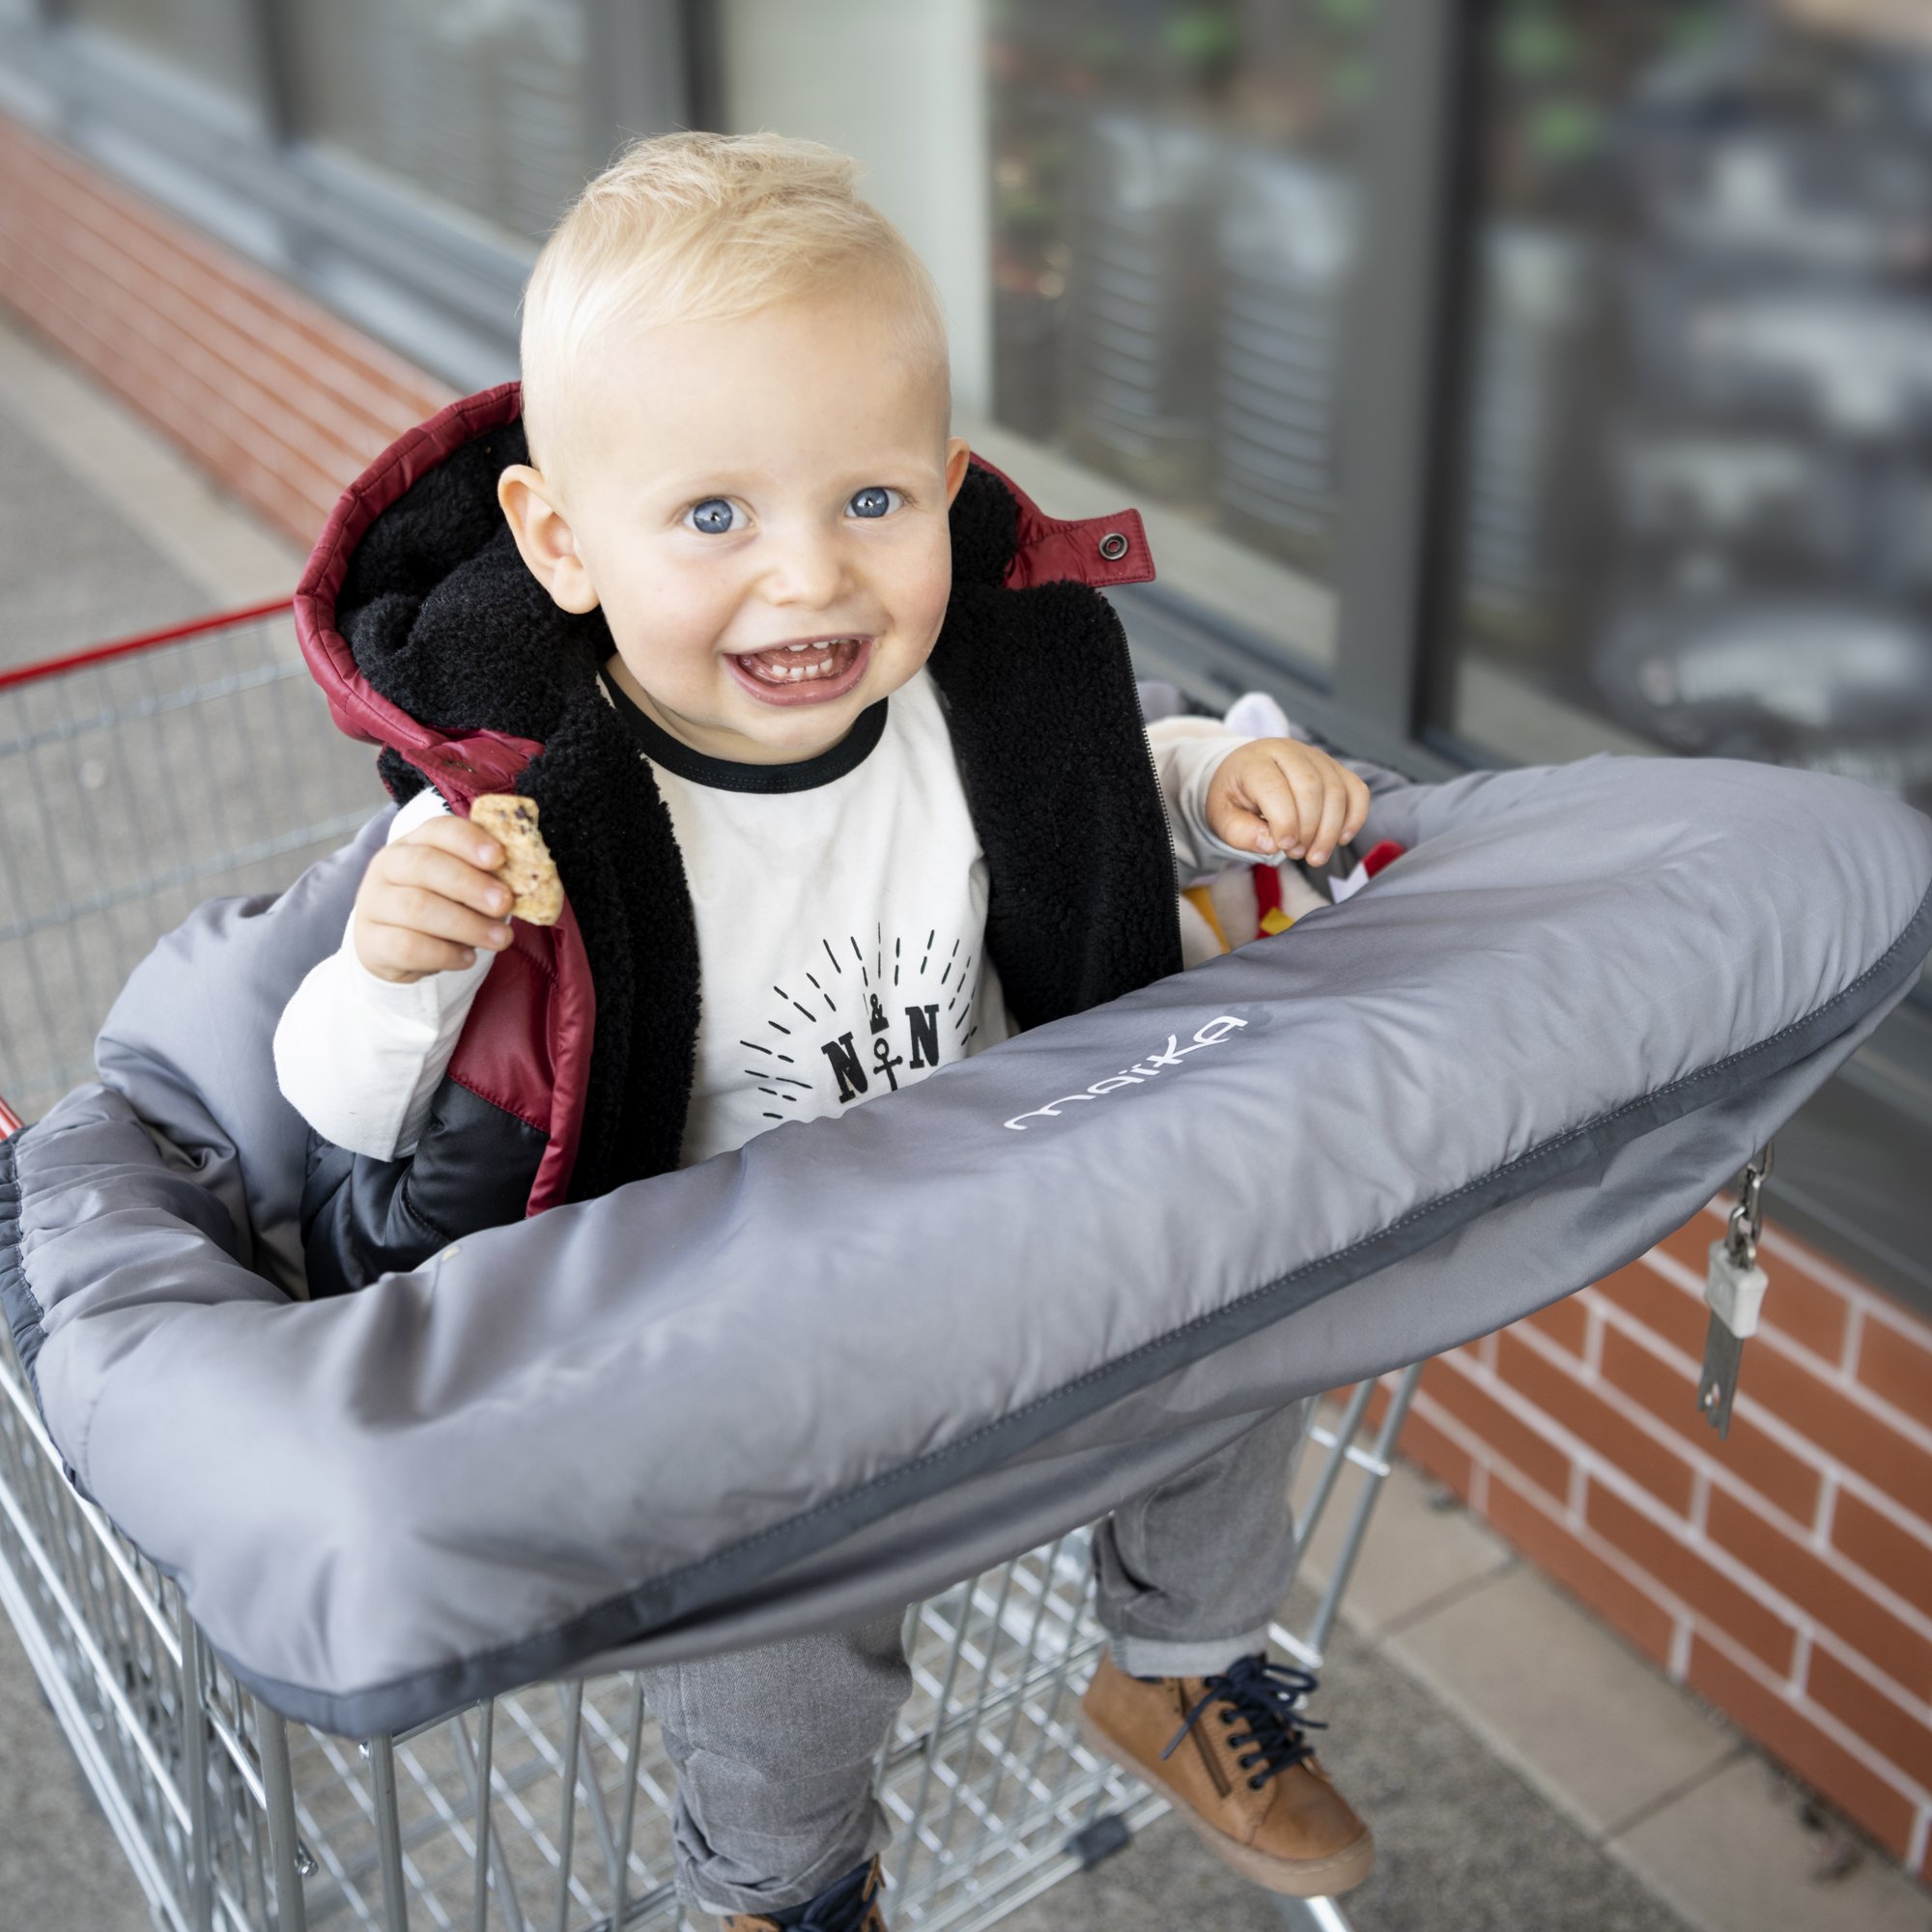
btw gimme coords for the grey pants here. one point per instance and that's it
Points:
(775, 1746)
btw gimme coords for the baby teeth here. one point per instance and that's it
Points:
(825, 666)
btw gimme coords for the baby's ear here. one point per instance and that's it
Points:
(958, 454)
(543, 538)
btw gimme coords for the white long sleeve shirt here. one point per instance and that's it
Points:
(840, 910)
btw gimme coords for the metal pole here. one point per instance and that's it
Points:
(573, 1702)
(285, 1853)
(382, 1754)
(1313, 1915)
(628, 1823)
(194, 1769)
(486, 1725)
(1365, 1503)
(1338, 1455)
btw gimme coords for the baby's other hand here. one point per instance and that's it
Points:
(428, 902)
(1274, 796)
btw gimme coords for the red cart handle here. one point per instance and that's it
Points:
(148, 640)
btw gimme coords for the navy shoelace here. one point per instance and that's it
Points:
(1267, 1696)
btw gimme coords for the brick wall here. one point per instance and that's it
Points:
(277, 399)
(1786, 1573)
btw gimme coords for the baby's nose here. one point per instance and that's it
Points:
(807, 567)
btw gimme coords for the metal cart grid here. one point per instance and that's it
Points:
(140, 778)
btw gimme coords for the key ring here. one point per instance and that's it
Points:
(1746, 1223)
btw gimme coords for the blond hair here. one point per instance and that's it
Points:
(695, 227)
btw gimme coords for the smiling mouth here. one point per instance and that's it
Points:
(802, 663)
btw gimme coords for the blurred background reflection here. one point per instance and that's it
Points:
(1689, 503)
(1696, 494)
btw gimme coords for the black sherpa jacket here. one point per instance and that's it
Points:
(573, 1074)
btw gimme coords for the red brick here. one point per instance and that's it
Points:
(1902, 1736)
(281, 401)
(1604, 1425)
(1585, 1575)
(1897, 1367)
(1538, 1458)
(1660, 1304)
(1424, 1444)
(1825, 1591)
(1853, 1436)
(1669, 1392)
(1794, 1738)
(1681, 1570)
(1900, 1558)
(1567, 1323)
(1811, 1311)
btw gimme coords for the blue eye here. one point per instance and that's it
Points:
(713, 517)
(874, 501)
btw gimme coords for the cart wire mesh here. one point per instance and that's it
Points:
(141, 779)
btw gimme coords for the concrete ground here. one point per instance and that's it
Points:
(1521, 1767)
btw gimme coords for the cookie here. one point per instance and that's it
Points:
(528, 868)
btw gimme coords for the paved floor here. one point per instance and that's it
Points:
(1522, 1770)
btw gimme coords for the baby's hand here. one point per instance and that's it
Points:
(426, 902)
(1275, 795)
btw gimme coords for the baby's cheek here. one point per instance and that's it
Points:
(926, 588)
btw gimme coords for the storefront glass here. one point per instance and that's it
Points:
(209, 40)
(1175, 221)
(484, 103)
(1695, 502)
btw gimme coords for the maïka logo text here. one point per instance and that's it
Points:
(1138, 1074)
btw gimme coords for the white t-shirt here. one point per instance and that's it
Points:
(840, 909)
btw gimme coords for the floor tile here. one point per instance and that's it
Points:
(1415, 1553)
(1585, 1719)
(1733, 1855)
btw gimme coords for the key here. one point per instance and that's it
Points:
(1735, 1289)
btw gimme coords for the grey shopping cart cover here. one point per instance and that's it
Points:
(864, 1356)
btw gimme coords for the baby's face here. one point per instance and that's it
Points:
(761, 506)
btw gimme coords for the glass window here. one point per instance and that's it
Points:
(1696, 491)
(210, 39)
(485, 103)
(1175, 219)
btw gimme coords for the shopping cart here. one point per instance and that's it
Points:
(140, 778)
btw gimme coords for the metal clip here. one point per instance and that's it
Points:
(1735, 1292)
(1746, 1223)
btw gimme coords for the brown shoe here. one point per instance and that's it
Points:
(1230, 1752)
(852, 1905)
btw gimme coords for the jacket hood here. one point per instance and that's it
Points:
(426, 508)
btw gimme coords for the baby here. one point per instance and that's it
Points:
(906, 816)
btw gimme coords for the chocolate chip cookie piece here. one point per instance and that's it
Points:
(528, 868)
